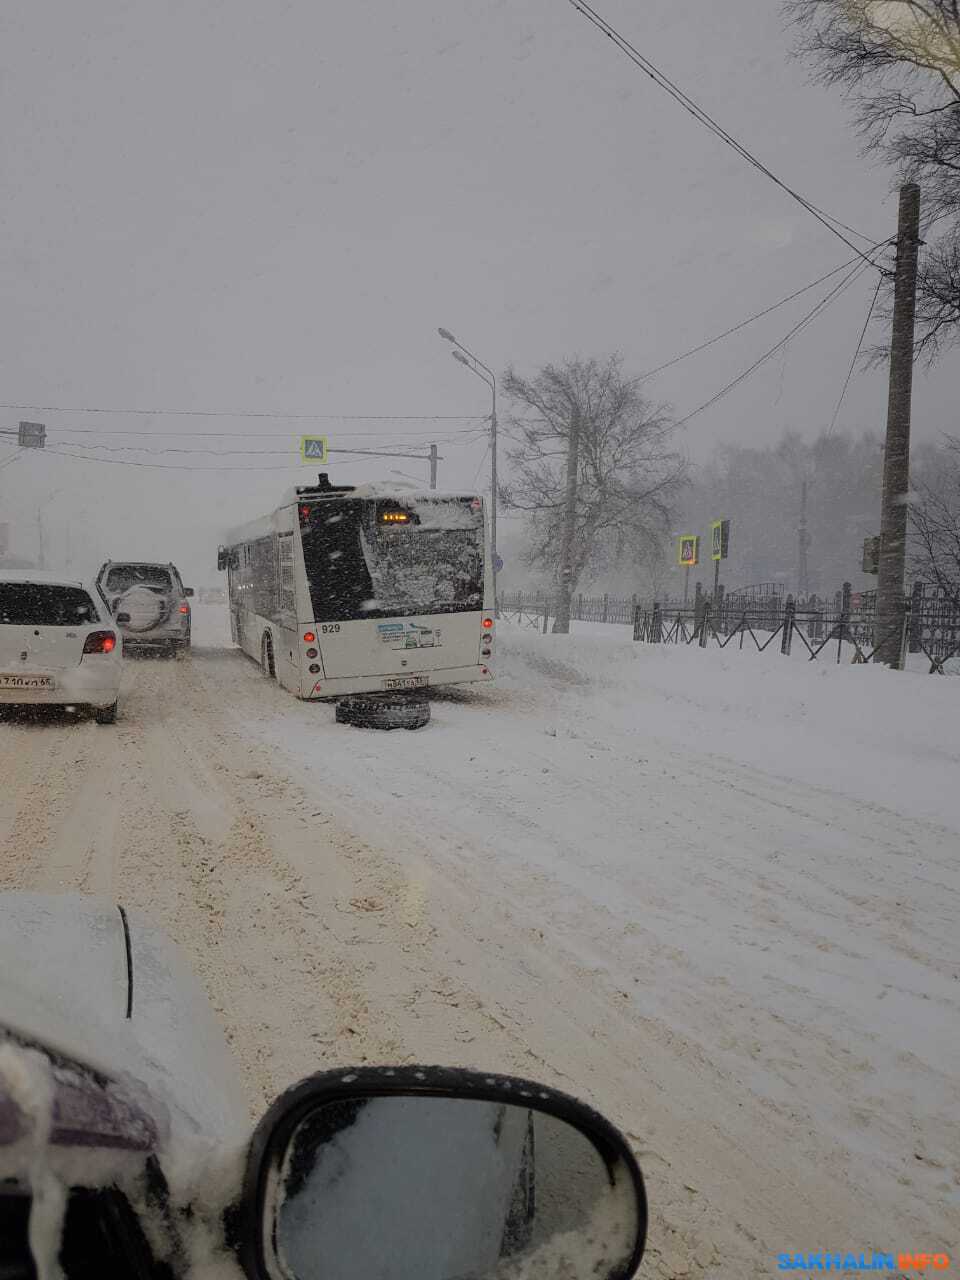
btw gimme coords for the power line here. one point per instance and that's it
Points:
(249, 413)
(483, 459)
(172, 466)
(165, 466)
(811, 315)
(856, 356)
(142, 448)
(703, 117)
(429, 435)
(758, 315)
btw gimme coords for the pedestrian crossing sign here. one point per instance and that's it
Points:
(720, 539)
(688, 550)
(313, 448)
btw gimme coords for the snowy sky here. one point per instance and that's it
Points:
(216, 205)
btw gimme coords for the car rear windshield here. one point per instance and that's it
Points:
(41, 604)
(121, 577)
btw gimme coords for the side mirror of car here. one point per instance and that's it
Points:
(430, 1171)
(122, 618)
(188, 591)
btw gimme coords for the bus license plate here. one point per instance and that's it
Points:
(405, 682)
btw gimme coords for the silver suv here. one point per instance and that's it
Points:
(148, 603)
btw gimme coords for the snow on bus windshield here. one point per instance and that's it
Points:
(359, 566)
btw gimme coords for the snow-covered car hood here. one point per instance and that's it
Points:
(87, 981)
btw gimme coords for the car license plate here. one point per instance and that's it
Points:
(405, 682)
(26, 682)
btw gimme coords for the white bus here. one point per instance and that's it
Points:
(360, 590)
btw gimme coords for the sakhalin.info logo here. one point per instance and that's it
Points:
(849, 1262)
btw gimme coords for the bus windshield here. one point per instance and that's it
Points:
(379, 558)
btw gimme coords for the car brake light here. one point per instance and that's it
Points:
(100, 642)
(309, 637)
(184, 608)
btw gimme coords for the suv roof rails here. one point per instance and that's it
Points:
(323, 486)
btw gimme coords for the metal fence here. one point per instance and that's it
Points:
(616, 609)
(929, 624)
(761, 614)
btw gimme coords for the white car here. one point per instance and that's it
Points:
(59, 645)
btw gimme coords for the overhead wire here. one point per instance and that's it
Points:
(250, 435)
(295, 464)
(486, 454)
(251, 413)
(758, 315)
(165, 466)
(466, 438)
(856, 356)
(801, 324)
(704, 118)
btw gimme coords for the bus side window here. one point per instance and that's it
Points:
(285, 580)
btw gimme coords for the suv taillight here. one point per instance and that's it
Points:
(100, 642)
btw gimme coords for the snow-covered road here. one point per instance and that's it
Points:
(715, 893)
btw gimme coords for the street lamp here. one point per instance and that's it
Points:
(471, 362)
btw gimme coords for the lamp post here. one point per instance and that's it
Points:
(471, 362)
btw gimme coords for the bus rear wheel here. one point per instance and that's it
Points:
(267, 664)
(377, 711)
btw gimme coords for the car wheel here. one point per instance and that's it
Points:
(107, 715)
(376, 712)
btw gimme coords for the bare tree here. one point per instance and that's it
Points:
(589, 446)
(935, 523)
(899, 61)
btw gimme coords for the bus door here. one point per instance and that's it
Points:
(287, 646)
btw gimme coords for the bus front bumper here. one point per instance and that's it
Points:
(418, 680)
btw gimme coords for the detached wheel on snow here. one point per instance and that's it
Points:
(383, 711)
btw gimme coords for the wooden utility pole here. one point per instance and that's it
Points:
(561, 624)
(896, 458)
